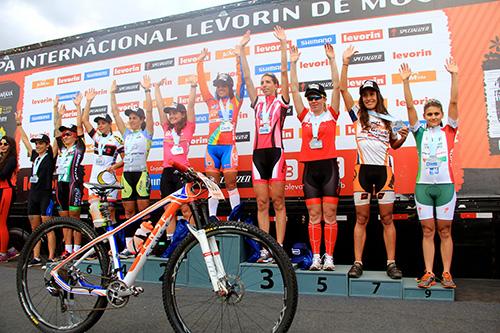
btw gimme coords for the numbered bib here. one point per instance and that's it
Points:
(226, 126)
(397, 126)
(177, 150)
(99, 161)
(265, 128)
(432, 162)
(315, 144)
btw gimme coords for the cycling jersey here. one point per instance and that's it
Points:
(137, 145)
(270, 113)
(318, 135)
(175, 146)
(106, 150)
(435, 147)
(69, 168)
(42, 171)
(373, 142)
(222, 112)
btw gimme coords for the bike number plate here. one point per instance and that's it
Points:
(213, 188)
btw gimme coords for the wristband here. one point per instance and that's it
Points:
(194, 85)
(147, 90)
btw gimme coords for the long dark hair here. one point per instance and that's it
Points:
(274, 79)
(379, 108)
(12, 151)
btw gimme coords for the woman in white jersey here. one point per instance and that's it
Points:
(268, 161)
(435, 186)
(138, 136)
(376, 132)
(107, 147)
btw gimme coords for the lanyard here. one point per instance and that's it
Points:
(224, 111)
(434, 140)
(316, 122)
(37, 162)
(102, 143)
(382, 116)
(175, 137)
(266, 110)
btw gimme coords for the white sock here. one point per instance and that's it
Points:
(76, 247)
(212, 206)
(68, 248)
(234, 197)
(169, 236)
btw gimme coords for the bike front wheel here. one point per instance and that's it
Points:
(50, 307)
(261, 297)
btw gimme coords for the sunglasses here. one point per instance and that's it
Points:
(5, 144)
(435, 114)
(314, 98)
(65, 134)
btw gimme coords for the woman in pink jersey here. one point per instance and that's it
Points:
(178, 127)
(268, 161)
(319, 155)
(375, 134)
(435, 189)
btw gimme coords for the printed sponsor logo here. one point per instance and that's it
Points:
(185, 99)
(5, 109)
(243, 114)
(269, 47)
(412, 54)
(127, 69)
(170, 62)
(354, 82)
(422, 76)
(183, 79)
(41, 100)
(40, 117)
(3, 119)
(350, 129)
(269, 68)
(167, 101)
(199, 140)
(362, 36)
(191, 59)
(363, 58)
(98, 110)
(289, 111)
(129, 105)
(341, 163)
(68, 96)
(327, 84)
(70, 114)
(157, 143)
(410, 30)
(69, 79)
(316, 41)
(42, 83)
(96, 74)
(228, 53)
(292, 169)
(244, 180)
(6, 94)
(155, 180)
(311, 64)
(416, 102)
(242, 136)
(287, 133)
(202, 118)
(120, 88)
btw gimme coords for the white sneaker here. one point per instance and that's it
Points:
(328, 264)
(125, 254)
(265, 256)
(316, 264)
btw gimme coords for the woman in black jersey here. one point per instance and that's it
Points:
(40, 193)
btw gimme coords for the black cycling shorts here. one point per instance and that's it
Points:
(39, 203)
(321, 179)
(170, 182)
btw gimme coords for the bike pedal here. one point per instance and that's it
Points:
(137, 291)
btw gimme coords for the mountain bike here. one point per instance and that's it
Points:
(208, 285)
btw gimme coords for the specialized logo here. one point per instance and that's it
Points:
(69, 79)
(228, 53)
(311, 64)
(316, 41)
(410, 30)
(98, 110)
(363, 58)
(96, 74)
(289, 111)
(327, 84)
(40, 117)
(269, 47)
(135, 86)
(243, 137)
(412, 54)
(362, 36)
(244, 179)
(127, 69)
(422, 76)
(191, 59)
(355, 82)
(42, 83)
(170, 62)
(269, 68)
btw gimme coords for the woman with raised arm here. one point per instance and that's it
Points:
(435, 189)
(223, 110)
(268, 161)
(178, 127)
(376, 132)
(40, 192)
(107, 147)
(8, 175)
(69, 192)
(137, 143)
(319, 155)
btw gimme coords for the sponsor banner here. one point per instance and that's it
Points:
(269, 47)
(183, 79)
(242, 136)
(96, 74)
(69, 79)
(5, 109)
(167, 101)
(407, 54)
(69, 96)
(34, 118)
(150, 65)
(157, 143)
(128, 69)
(355, 82)
(362, 36)
(155, 181)
(243, 180)
(316, 41)
(121, 88)
(129, 105)
(185, 99)
(199, 140)
(292, 169)
(192, 59)
(269, 68)
(42, 83)
(202, 118)
(327, 84)
(287, 133)
(364, 58)
(44, 100)
(98, 110)
(229, 53)
(312, 64)
(422, 76)
(410, 30)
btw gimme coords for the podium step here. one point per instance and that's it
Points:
(375, 284)
(332, 283)
(434, 293)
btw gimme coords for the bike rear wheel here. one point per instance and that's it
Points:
(49, 307)
(262, 297)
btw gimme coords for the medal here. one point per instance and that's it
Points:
(34, 179)
(226, 126)
(397, 125)
(264, 128)
(315, 143)
(177, 150)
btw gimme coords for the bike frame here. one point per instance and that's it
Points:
(190, 192)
